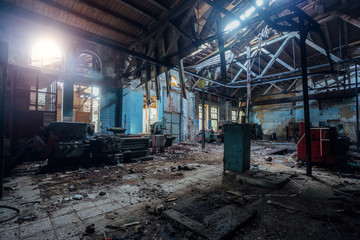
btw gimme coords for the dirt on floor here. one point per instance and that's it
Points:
(184, 194)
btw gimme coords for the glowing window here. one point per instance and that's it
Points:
(88, 64)
(232, 25)
(46, 53)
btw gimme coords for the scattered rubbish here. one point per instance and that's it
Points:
(238, 194)
(12, 208)
(78, 197)
(278, 151)
(159, 209)
(131, 171)
(72, 188)
(31, 202)
(90, 229)
(336, 230)
(268, 158)
(171, 199)
(102, 193)
(186, 168)
(264, 179)
(189, 223)
(131, 224)
(26, 218)
(283, 205)
(138, 228)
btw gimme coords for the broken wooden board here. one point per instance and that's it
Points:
(264, 179)
(189, 223)
(227, 221)
(236, 193)
(283, 205)
(278, 151)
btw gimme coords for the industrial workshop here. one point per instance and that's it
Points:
(179, 119)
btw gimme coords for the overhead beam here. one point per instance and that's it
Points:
(320, 49)
(158, 5)
(348, 19)
(318, 96)
(124, 19)
(89, 19)
(244, 67)
(137, 9)
(274, 57)
(12, 9)
(277, 59)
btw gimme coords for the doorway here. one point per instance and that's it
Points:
(86, 106)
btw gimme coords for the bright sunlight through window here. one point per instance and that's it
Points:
(47, 54)
(259, 2)
(232, 25)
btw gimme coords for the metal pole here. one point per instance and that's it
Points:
(303, 34)
(248, 96)
(357, 109)
(203, 120)
(222, 52)
(3, 76)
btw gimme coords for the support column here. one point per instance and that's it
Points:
(227, 110)
(3, 76)
(357, 109)
(248, 74)
(203, 120)
(68, 100)
(222, 52)
(147, 96)
(303, 35)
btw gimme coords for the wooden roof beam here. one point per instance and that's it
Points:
(115, 14)
(12, 9)
(158, 5)
(89, 19)
(138, 10)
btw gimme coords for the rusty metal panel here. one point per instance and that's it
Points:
(172, 103)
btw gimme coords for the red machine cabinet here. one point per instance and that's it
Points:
(321, 141)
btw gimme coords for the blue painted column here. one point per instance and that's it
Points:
(68, 100)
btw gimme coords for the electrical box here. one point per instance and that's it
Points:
(237, 141)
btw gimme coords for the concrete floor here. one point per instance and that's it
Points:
(131, 190)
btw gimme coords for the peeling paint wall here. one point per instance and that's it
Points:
(275, 118)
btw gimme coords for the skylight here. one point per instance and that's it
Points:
(232, 25)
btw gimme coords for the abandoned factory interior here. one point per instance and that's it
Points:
(179, 119)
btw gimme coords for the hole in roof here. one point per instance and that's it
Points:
(232, 25)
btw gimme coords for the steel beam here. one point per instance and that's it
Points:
(348, 19)
(357, 109)
(115, 14)
(278, 59)
(320, 49)
(248, 94)
(274, 57)
(4, 48)
(88, 19)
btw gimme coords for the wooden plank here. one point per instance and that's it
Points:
(109, 11)
(263, 179)
(189, 223)
(87, 18)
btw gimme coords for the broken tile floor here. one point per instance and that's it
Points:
(184, 194)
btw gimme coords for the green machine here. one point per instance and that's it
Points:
(237, 140)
